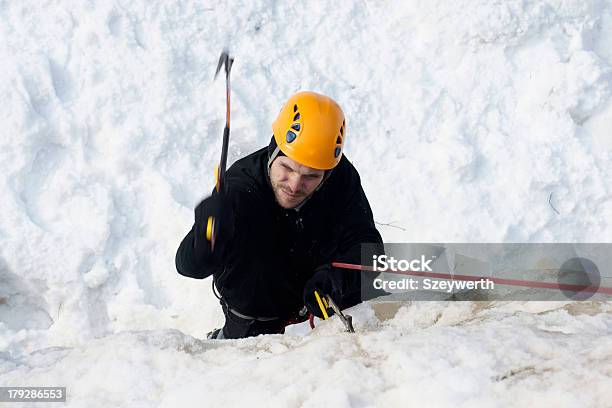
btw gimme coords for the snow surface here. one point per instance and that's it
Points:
(470, 121)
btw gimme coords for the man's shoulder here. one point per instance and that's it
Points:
(248, 167)
(344, 173)
(248, 173)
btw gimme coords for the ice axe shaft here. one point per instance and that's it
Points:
(225, 60)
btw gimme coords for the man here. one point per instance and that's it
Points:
(289, 211)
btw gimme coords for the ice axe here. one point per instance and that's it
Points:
(225, 60)
(325, 302)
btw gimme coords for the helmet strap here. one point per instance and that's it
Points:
(272, 157)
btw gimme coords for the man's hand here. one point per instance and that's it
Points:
(326, 281)
(221, 208)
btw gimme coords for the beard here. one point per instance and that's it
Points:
(286, 199)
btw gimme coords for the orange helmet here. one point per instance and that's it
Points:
(310, 129)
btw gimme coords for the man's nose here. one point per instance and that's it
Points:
(294, 182)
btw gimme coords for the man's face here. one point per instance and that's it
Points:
(292, 182)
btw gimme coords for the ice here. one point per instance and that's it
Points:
(469, 354)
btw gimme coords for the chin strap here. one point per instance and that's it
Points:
(272, 157)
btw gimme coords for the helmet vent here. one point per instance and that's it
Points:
(290, 136)
(342, 129)
(337, 152)
(339, 140)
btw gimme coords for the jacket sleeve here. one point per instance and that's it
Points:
(187, 264)
(358, 241)
(356, 221)
(195, 257)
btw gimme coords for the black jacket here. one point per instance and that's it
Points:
(262, 270)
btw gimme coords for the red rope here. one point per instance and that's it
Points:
(500, 281)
